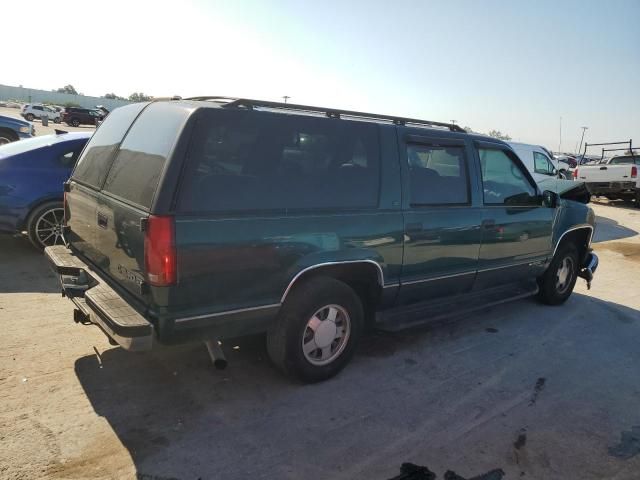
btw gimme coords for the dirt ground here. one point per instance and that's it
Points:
(540, 392)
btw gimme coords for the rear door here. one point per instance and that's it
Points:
(441, 217)
(516, 228)
(87, 179)
(129, 190)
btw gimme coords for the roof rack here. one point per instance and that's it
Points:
(329, 112)
(629, 142)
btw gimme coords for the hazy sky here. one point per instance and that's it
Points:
(515, 66)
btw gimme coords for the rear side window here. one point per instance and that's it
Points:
(94, 163)
(438, 175)
(263, 161)
(140, 161)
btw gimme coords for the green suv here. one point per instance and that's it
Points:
(211, 218)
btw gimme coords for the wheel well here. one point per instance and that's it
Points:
(580, 238)
(364, 277)
(10, 133)
(23, 223)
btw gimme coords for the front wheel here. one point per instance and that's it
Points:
(75, 122)
(30, 117)
(317, 330)
(556, 284)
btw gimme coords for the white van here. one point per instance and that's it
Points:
(540, 162)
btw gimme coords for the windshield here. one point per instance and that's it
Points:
(22, 146)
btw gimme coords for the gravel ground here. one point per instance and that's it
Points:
(540, 392)
(50, 129)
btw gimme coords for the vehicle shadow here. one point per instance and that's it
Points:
(180, 418)
(24, 268)
(609, 229)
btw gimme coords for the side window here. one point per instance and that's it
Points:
(542, 164)
(143, 153)
(438, 175)
(264, 161)
(94, 163)
(503, 179)
(37, 107)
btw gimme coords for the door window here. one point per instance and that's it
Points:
(504, 180)
(438, 175)
(542, 164)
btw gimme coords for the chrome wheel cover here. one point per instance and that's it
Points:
(564, 275)
(326, 335)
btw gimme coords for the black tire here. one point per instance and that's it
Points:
(37, 236)
(552, 290)
(30, 117)
(7, 136)
(57, 120)
(75, 122)
(638, 198)
(286, 336)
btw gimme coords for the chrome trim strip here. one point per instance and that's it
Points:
(392, 285)
(517, 264)
(590, 227)
(442, 277)
(312, 267)
(228, 312)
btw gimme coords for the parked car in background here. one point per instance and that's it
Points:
(207, 220)
(12, 129)
(31, 112)
(75, 117)
(539, 161)
(32, 174)
(615, 179)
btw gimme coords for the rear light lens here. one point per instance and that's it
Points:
(634, 172)
(160, 251)
(575, 173)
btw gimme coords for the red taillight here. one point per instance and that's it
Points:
(160, 251)
(575, 173)
(634, 172)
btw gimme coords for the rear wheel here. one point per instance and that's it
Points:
(30, 117)
(317, 330)
(637, 197)
(56, 120)
(44, 225)
(558, 281)
(75, 122)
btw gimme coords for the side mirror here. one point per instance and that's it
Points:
(554, 172)
(549, 199)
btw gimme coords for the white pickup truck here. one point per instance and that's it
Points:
(616, 179)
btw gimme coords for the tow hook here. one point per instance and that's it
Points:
(589, 269)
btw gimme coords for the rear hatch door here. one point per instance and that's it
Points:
(113, 188)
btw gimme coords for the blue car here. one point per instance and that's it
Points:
(12, 129)
(32, 173)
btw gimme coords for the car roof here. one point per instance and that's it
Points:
(196, 104)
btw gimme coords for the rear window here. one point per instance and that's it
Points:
(94, 163)
(140, 161)
(625, 160)
(255, 161)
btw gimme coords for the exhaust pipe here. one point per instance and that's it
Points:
(216, 354)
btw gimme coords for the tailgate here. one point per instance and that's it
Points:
(605, 173)
(107, 232)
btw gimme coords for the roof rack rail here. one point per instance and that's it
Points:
(629, 142)
(329, 112)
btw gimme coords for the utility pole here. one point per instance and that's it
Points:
(453, 121)
(581, 139)
(560, 142)
(286, 97)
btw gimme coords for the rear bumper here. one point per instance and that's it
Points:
(98, 302)
(612, 188)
